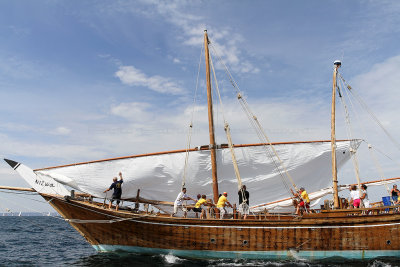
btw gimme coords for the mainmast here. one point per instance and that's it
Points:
(211, 120)
(337, 65)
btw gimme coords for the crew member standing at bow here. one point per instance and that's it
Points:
(117, 186)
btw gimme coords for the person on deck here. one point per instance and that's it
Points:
(194, 203)
(395, 194)
(304, 203)
(355, 196)
(117, 186)
(244, 202)
(179, 202)
(364, 196)
(222, 202)
(197, 208)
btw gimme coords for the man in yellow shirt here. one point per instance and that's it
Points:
(197, 208)
(222, 202)
(304, 200)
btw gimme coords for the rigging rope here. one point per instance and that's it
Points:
(227, 130)
(189, 136)
(364, 105)
(350, 137)
(378, 166)
(259, 130)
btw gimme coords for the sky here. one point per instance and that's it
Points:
(87, 80)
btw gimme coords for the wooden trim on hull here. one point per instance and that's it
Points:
(323, 233)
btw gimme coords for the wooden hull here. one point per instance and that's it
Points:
(345, 233)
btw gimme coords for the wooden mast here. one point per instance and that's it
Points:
(337, 64)
(211, 120)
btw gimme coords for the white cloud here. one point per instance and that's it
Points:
(133, 111)
(17, 68)
(15, 147)
(62, 130)
(378, 89)
(381, 82)
(6, 170)
(134, 77)
(191, 27)
(111, 59)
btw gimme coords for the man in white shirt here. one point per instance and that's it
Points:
(179, 202)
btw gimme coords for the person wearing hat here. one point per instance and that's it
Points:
(222, 202)
(304, 200)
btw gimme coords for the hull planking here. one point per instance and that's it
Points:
(344, 233)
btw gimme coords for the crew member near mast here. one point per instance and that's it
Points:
(355, 196)
(179, 202)
(117, 186)
(222, 202)
(364, 196)
(304, 200)
(244, 202)
(197, 208)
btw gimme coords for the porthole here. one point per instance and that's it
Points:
(388, 242)
(245, 242)
(212, 240)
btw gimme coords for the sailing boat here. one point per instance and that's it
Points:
(156, 179)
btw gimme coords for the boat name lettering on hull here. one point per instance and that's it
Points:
(43, 183)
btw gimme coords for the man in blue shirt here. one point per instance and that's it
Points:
(117, 186)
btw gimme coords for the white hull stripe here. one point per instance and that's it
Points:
(268, 227)
(283, 254)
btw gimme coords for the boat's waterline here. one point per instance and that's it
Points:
(273, 255)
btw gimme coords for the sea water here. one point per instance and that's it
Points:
(50, 241)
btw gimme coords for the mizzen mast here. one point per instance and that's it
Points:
(337, 65)
(211, 120)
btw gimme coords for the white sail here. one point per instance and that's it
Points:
(41, 183)
(159, 176)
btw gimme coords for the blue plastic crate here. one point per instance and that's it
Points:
(386, 201)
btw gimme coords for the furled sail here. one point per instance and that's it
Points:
(159, 175)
